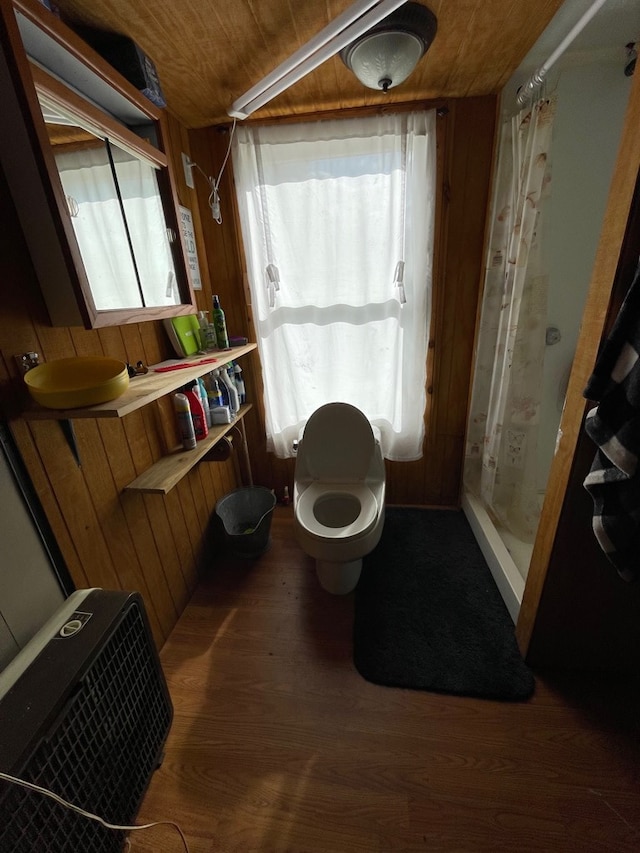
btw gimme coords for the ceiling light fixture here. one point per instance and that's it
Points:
(387, 54)
(344, 31)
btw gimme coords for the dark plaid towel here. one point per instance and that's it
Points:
(614, 425)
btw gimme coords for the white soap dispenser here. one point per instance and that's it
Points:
(207, 332)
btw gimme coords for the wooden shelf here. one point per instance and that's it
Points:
(143, 389)
(168, 471)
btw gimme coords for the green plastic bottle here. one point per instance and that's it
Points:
(220, 325)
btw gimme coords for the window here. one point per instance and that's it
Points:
(337, 220)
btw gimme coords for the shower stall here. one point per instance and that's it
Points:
(524, 354)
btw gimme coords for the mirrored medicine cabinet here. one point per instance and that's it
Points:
(89, 180)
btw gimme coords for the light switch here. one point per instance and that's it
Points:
(188, 170)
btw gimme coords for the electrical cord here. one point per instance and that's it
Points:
(214, 197)
(106, 824)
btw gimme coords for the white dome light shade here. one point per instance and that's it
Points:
(384, 60)
(386, 55)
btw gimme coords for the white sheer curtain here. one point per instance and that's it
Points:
(504, 414)
(337, 219)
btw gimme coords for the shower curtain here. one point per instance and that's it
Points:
(503, 423)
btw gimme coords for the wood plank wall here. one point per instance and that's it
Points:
(108, 537)
(465, 154)
(157, 544)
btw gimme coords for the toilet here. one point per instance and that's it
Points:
(338, 493)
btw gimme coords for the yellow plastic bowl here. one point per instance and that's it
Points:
(70, 383)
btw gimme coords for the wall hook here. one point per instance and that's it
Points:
(26, 361)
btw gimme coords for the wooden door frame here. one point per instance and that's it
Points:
(598, 307)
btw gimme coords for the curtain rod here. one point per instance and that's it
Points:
(538, 77)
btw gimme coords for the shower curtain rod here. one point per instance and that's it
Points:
(538, 77)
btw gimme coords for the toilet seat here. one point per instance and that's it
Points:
(338, 444)
(360, 526)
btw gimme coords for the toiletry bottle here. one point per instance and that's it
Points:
(230, 374)
(233, 378)
(213, 391)
(212, 341)
(202, 322)
(185, 424)
(205, 400)
(234, 400)
(207, 332)
(197, 413)
(212, 336)
(224, 391)
(220, 325)
(242, 393)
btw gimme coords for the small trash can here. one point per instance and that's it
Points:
(246, 516)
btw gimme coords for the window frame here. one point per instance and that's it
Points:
(444, 154)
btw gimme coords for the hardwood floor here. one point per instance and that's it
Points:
(278, 744)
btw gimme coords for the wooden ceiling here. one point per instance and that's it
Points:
(209, 52)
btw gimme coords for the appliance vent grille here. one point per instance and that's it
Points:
(100, 755)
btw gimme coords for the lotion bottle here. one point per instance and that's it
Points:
(197, 413)
(185, 423)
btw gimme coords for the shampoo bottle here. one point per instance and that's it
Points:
(220, 325)
(197, 414)
(185, 423)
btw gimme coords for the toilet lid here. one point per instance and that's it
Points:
(338, 443)
(358, 527)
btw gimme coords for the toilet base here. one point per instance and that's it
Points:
(338, 578)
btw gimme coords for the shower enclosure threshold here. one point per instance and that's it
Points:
(505, 572)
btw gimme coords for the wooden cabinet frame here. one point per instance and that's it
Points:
(27, 160)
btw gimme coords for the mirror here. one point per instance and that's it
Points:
(114, 202)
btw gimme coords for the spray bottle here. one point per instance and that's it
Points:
(213, 391)
(240, 383)
(224, 391)
(228, 367)
(220, 325)
(234, 400)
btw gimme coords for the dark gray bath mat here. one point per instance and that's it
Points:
(429, 616)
